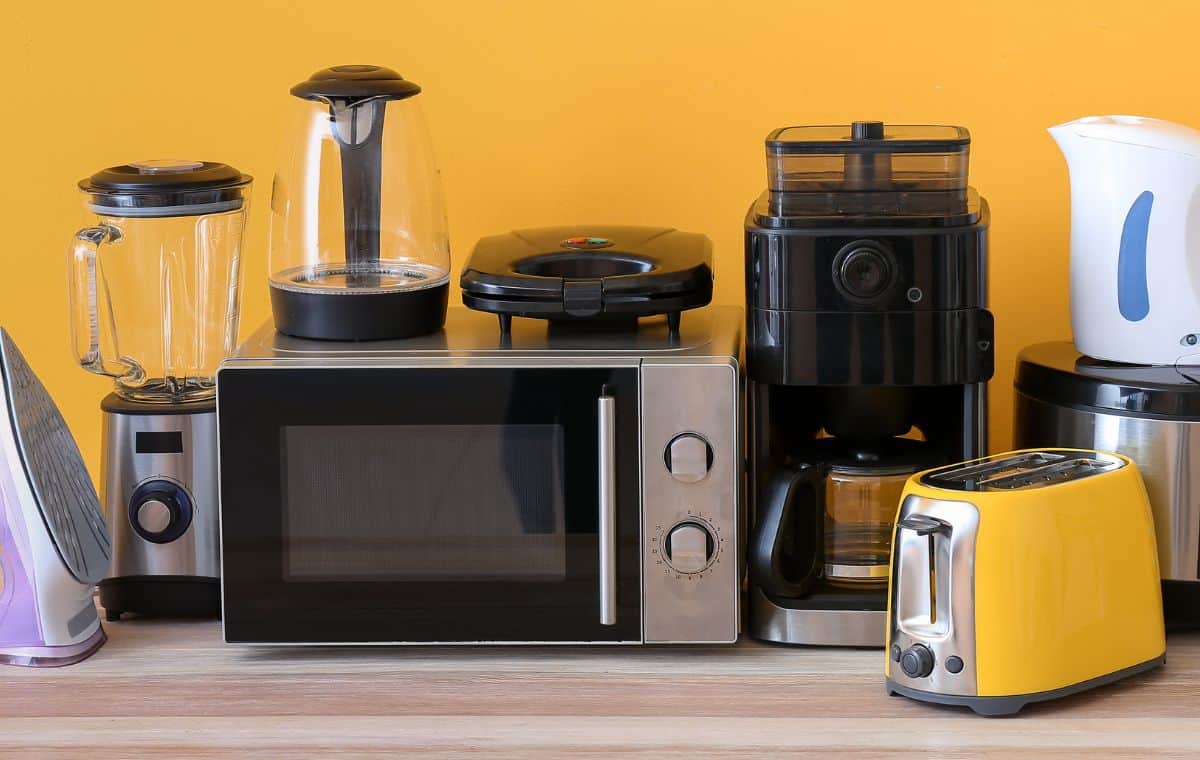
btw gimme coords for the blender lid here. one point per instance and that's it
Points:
(1057, 374)
(868, 136)
(159, 188)
(355, 82)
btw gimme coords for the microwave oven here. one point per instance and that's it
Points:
(554, 485)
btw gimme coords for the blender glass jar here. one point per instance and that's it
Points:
(359, 244)
(154, 284)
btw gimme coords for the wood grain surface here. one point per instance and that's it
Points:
(173, 689)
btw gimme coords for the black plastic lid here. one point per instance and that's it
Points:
(868, 136)
(884, 458)
(166, 188)
(1057, 374)
(355, 82)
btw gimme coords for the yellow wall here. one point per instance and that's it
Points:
(636, 111)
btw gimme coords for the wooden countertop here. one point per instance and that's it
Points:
(173, 689)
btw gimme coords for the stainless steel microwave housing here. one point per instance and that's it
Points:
(558, 485)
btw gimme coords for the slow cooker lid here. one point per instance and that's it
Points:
(1057, 374)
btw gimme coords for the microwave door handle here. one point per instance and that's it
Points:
(607, 409)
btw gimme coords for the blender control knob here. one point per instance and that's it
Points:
(689, 547)
(160, 511)
(154, 516)
(917, 661)
(688, 457)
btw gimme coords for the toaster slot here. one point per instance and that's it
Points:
(1057, 472)
(1030, 469)
(923, 604)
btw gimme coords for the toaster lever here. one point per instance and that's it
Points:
(924, 525)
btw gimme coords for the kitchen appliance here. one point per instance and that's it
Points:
(155, 288)
(1134, 274)
(359, 246)
(869, 347)
(550, 486)
(1149, 414)
(53, 545)
(593, 273)
(1022, 577)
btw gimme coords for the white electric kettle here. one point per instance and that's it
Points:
(1135, 238)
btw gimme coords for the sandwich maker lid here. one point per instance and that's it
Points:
(1055, 373)
(589, 272)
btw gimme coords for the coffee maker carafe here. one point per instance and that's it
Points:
(155, 288)
(869, 347)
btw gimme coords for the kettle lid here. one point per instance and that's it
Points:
(356, 82)
(1139, 131)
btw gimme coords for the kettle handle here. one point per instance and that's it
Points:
(787, 488)
(84, 301)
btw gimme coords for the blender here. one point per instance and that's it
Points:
(154, 289)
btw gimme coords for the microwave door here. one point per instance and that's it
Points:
(431, 505)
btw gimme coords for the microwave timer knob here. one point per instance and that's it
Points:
(689, 547)
(688, 457)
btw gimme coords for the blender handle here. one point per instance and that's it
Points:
(84, 300)
(786, 487)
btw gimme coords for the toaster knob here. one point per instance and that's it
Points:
(917, 661)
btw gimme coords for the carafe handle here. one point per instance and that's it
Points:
(797, 489)
(85, 302)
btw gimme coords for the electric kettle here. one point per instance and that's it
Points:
(1135, 238)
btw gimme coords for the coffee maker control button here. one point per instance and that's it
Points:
(917, 661)
(154, 516)
(689, 547)
(688, 457)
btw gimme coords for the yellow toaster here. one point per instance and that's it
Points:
(1022, 577)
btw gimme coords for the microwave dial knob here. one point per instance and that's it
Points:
(917, 661)
(690, 547)
(688, 457)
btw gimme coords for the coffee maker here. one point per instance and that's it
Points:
(868, 351)
(155, 289)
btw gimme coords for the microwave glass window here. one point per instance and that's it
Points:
(424, 502)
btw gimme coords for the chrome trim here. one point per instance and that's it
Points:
(933, 591)
(606, 407)
(833, 570)
(841, 628)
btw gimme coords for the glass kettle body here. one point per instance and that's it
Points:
(1135, 238)
(154, 284)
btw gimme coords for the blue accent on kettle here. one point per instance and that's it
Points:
(1133, 293)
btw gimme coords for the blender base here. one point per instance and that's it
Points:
(161, 596)
(360, 316)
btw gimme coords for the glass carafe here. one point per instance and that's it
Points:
(860, 511)
(154, 283)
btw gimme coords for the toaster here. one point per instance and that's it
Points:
(1022, 577)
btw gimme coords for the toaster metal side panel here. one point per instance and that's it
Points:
(947, 590)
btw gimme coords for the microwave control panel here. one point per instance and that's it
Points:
(690, 501)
